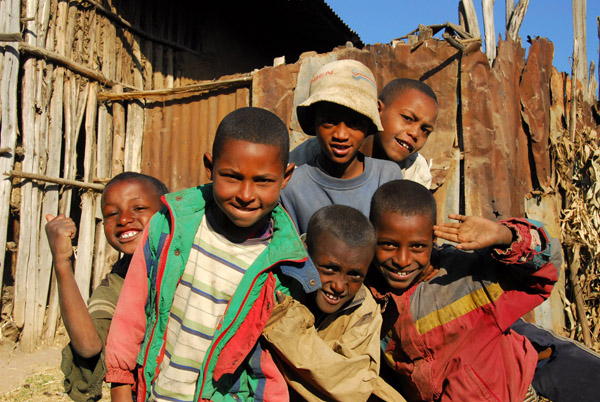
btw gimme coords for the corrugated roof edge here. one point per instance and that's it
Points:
(358, 41)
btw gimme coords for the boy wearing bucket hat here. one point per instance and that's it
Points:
(408, 110)
(340, 112)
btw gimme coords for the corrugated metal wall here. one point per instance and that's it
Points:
(179, 130)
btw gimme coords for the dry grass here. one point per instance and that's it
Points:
(46, 386)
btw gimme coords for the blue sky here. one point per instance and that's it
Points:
(384, 20)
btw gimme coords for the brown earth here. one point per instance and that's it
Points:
(33, 376)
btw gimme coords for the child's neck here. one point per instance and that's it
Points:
(349, 170)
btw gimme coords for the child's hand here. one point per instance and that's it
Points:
(473, 233)
(60, 230)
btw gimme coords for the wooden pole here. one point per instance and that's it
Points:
(118, 154)
(132, 156)
(87, 226)
(472, 24)
(11, 37)
(490, 33)
(9, 67)
(579, 42)
(70, 64)
(26, 278)
(55, 143)
(510, 6)
(49, 179)
(516, 19)
(44, 257)
(574, 267)
(157, 93)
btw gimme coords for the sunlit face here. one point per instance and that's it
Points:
(404, 245)
(407, 123)
(127, 207)
(247, 179)
(340, 132)
(342, 270)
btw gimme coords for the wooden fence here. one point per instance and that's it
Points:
(93, 102)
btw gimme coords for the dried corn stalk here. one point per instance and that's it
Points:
(577, 163)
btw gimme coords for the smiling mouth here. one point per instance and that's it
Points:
(331, 298)
(128, 234)
(404, 145)
(401, 274)
(244, 209)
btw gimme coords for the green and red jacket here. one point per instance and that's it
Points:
(235, 366)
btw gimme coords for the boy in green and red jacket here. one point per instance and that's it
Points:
(202, 283)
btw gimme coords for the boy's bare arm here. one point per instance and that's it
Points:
(85, 340)
(121, 393)
(473, 233)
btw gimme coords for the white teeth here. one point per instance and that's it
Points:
(128, 234)
(331, 296)
(404, 145)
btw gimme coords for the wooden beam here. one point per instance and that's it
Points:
(574, 266)
(115, 17)
(64, 182)
(516, 19)
(579, 44)
(490, 33)
(204, 86)
(470, 16)
(73, 66)
(510, 6)
(11, 37)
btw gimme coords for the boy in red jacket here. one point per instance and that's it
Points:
(448, 312)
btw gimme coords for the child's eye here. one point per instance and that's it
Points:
(109, 214)
(386, 246)
(407, 118)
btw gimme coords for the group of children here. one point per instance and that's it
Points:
(320, 282)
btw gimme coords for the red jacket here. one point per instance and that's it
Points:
(449, 337)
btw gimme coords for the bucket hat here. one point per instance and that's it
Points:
(346, 82)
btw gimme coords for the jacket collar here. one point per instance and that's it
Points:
(306, 273)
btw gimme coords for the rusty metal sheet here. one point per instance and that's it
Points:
(496, 162)
(435, 62)
(179, 130)
(535, 99)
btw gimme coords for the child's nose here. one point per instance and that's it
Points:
(245, 192)
(341, 132)
(125, 217)
(338, 285)
(402, 258)
(413, 131)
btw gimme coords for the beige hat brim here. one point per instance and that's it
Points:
(347, 96)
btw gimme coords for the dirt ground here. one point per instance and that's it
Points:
(33, 376)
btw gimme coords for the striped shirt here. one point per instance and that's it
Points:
(212, 273)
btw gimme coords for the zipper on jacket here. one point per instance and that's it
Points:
(214, 345)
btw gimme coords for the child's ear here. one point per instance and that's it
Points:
(287, 174)
(208, 165)
(380, 106)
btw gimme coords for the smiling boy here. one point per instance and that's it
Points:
(340, 112)
(449, 312)
(202, 284)
(328, 348)
(408, 111)
(128, 202)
